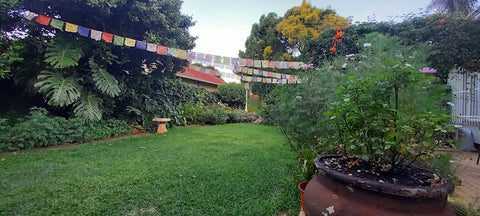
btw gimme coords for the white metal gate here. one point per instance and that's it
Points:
(466, 97)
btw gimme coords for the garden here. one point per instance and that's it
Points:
(367, 114)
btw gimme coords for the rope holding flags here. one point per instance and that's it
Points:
(235, 64)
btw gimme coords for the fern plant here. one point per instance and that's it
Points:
(104, 81)
(59, 90)
(88, 107)
(63, 54)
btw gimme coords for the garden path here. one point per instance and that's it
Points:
(466, 168)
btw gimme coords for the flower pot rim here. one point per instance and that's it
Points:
(387, 188)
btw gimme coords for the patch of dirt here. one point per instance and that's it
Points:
(407, 176)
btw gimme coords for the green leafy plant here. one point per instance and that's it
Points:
(88, 107)
(63, 53)
(59, 90)
(232, 94)
(104, 81)
(240, 116)
(377, 120)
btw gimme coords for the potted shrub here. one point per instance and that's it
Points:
(380, 132)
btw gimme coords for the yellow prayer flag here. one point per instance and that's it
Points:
(129, 42)
(182, 54)
(69, 27)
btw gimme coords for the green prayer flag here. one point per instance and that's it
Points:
(57, 24)
(118, 40)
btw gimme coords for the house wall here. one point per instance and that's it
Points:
(207, 86)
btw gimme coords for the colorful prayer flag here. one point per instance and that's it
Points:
(181, 54)
(250, 71)
(249, 62)
(96, 35)
(191, 55)
(30, 15)
(162, 50)
(141, 45)
(209, 57)
(290, 64)
(83, 31)
(265, 64)
(200, 56)
(172, 51)
(260, 73)
(242, 62)
(271, 64)
(264, 80)
(255, 72)
(43, 20)
(58, 24)
(130, 42)
(69, 27)
(107, 37)
(234, 61)
(217, 59)
(118, 40)
(151, 47)
(257, 63)
(226, 60)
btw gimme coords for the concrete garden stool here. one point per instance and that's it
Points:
(162, 127)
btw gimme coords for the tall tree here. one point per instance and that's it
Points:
(263, 35)
(461, 6)
(304, 20)
(87, 74)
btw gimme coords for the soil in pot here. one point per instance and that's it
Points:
(348, 186)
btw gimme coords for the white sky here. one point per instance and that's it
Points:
(222, 26)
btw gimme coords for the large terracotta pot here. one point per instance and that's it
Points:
(334, 193)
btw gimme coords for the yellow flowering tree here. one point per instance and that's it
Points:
(304, 20)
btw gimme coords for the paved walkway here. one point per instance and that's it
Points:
(468, 171)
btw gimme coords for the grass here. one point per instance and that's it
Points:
(235, 169)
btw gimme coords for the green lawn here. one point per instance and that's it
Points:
(234, 169)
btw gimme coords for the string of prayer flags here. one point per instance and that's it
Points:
(247, 78)
(206, 59)
(69, 27)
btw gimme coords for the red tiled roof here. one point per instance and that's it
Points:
(200, 76)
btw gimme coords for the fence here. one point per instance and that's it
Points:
(466, 97)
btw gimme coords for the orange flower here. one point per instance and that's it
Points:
(442, 21)
(314, 52)
(254, 96)
(333, 49)
(314, 38)
(345, 27)
(337, 29)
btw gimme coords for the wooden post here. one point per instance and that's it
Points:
(246, 96)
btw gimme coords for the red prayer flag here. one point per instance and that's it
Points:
(249, 62)
(244, 70)
(291, 64)
(43, 20)
(162, 50)
(107, 37)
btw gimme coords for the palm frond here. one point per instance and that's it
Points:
(63, 54)
(88, 107)
(104, 81)
(59, 90)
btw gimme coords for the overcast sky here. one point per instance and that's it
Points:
(222, 26)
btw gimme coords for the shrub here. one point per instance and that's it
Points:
(41, 130)
(241, 116)
(213, 115)
(232, 94)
